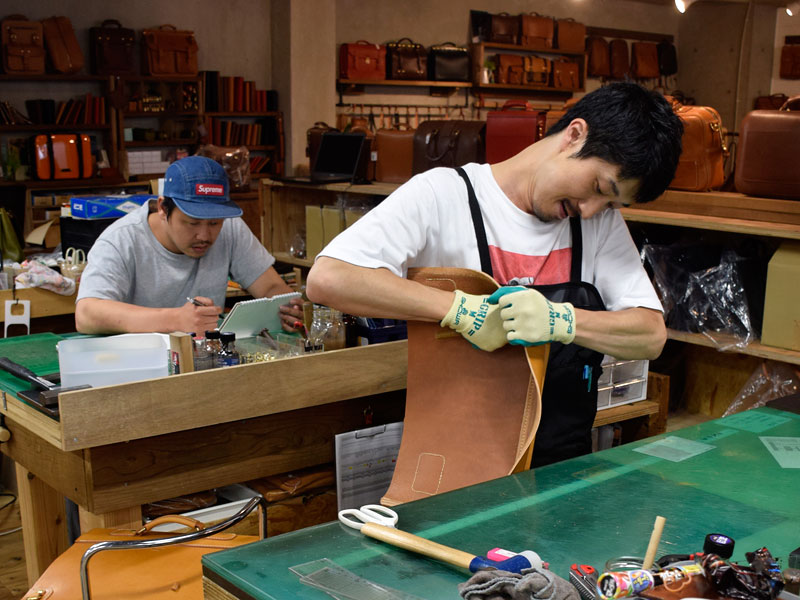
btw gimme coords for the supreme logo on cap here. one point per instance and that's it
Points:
(209, 189)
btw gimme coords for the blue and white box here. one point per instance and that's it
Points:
(106, 207)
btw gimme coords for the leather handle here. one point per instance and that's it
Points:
(524, 104)
(793, 101)
(167, 26)
(179, 519)
(110, 22)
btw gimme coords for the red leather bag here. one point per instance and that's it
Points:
(362, 60)
(511, 129)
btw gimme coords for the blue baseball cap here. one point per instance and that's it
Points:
(199, 187)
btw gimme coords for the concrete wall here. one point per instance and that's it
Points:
(784, 25)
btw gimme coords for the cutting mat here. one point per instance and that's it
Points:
(37, 352)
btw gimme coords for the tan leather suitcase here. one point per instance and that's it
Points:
(62, 45)
(768, 158)
(395, 155)
(702, 160)
(23, 46)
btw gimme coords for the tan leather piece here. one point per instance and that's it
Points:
(470, 415)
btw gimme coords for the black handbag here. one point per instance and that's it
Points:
(448, 62)
(113, 48)
(449, 144)
(405, 59)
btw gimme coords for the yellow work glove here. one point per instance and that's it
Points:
(531, 319)
(477, 320)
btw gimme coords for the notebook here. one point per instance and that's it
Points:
(248, 317)
(338, 158)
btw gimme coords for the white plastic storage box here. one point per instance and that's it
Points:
(111, 360)
(622, 382)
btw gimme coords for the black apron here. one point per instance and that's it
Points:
(569, 398)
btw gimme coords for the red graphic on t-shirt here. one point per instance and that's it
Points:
(527, 270)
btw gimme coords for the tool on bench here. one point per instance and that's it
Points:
(584, 578)
(45, 393)
(379, 522)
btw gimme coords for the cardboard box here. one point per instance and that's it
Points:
(781, 326)
(332, 223)
(106, 207)
(314, 231)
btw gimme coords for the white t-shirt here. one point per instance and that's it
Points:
(426, 223)
(128, 264)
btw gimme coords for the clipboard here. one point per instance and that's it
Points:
(248, 317)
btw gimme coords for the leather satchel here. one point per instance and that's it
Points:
(448, 62)
(702, 160)
(790, 62)
(536, 70)
(62, 45)
(599, 57)
(143, 563)
(168, 52)
(448, 144)
(620, 59)
(769, 144)
(537, 31)
(465, 429)
(566, 75)
(644, 63)
(405, 59)
(112, 49)
(362, 60)
(23, 46)
(504, 29)
(570, 35)
(510, 69)
(395, 155)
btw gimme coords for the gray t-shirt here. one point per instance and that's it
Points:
(128, 264)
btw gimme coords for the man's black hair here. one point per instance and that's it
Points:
(631, 127)
(169, 205)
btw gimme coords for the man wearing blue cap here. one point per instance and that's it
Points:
(144, 267)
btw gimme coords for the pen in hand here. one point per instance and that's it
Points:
(198, 303)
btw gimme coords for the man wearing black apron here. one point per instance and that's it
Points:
(543, 223)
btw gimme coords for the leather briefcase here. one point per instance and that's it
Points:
(62, 156)
(168, 52)
(395, 155)
(112, 49)
(702, 160)
(492, 407)
(620, 59)
(510, 69)
(566, 75)
(362, 60)
(644, 63)
(769, 146)
(598, 57)
(23, 46)
(448, 62)
(504, 29)
(570, 35)
(536, 70)
(511, 129)
(62, 45)
(536, 31)
(405, 59)
(141, 564)
(448, 144)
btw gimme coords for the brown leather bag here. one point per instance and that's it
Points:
(566, 75)
(112, 49)
(537, 31)
(169, 569)
(23, 46)
(510, 69)
(702, 160)
(168, 52)
(790, 62)
(599, 57)
(767, 157)
(570, 35)
(405, 59)
(395, 150)
(448, 144)
(773, 102)
(362, 60)
(644, 64)
(504, 29)
(470, 415)
(620, 60)
(62, 45)
(536, 70)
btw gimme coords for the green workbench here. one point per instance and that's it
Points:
(585, 510)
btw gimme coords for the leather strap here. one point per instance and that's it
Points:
(477, 223)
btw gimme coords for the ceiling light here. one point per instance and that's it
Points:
(793, 8)
(682, 5)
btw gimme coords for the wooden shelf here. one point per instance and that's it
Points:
(405, 83)
(526, 88)
(752, 349)
(53, 127)
(162, 113)
(54, 77)
(159, 143)
(529, 49)
(624, 412)
(34, 184)
(287, 258)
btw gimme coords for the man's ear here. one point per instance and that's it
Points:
(160, 208)
(574, 135)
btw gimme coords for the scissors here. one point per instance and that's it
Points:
(75, 256)
(369, 513)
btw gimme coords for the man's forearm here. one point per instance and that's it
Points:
(634, 333)
(98, 316)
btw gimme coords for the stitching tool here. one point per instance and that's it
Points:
(378, 522)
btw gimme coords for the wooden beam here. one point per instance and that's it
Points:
(626, 34)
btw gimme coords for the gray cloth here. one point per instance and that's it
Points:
(128, 264)
(538, 584)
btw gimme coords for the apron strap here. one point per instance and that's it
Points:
(577, 249)
(477, 223)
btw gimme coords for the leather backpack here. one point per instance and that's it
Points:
(23, 46)
(112, 49)
(62, 45)
(599, 59)
(644, 63)
(620, 61)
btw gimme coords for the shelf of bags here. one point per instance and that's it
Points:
(244, 114)
(526, 88)
(162, 113)
(528, 49)
(53, 77)
(405, 83)
(35, 184)
(50, 127)
(160, 143)
(752, 349)
(158, 79)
